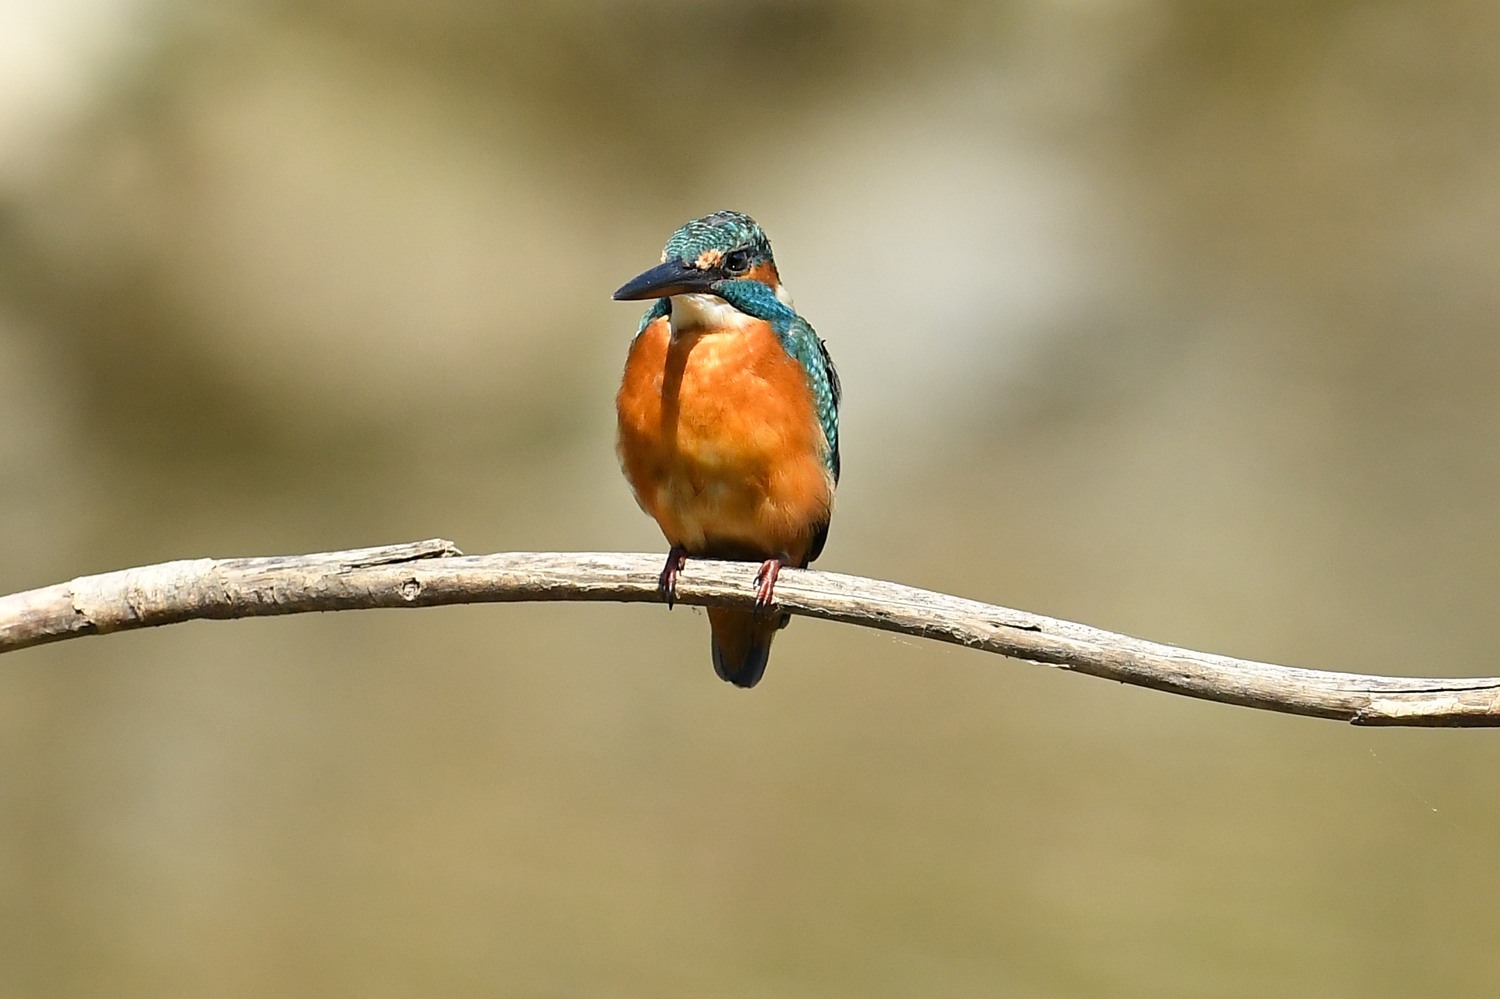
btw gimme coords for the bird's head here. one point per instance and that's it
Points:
(709, 256)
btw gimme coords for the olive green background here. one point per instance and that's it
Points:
(1177, 318)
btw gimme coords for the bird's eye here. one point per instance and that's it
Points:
(737, 261)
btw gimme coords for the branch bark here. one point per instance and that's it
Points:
(432, 573)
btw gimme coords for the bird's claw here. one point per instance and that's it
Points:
(765, 584)
(666, 583)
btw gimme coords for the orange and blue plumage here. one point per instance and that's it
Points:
(729, 422)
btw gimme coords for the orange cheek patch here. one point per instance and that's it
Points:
(765, 273)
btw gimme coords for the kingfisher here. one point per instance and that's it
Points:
(729, 423)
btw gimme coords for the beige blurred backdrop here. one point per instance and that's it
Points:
(1176, 318)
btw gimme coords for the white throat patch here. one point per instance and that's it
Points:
(695, 311)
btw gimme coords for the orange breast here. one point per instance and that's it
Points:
(719, 439)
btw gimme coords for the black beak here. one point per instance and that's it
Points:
(668, 279)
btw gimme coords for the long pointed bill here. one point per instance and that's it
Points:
(668, 279)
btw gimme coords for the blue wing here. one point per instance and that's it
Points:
(804, 344)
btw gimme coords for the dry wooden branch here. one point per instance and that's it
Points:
(430, 573)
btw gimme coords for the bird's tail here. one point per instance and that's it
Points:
(742, 643)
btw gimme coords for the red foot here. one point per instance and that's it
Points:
(765, 584)
(666, 584)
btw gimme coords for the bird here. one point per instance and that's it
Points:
(728, 423)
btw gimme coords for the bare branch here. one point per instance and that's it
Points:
(431, 573)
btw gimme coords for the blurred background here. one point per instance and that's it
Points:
(1176, 317)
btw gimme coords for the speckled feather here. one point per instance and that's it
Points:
(719, 231)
